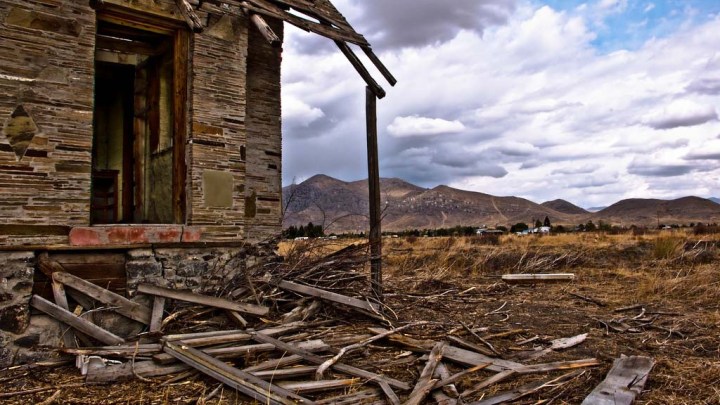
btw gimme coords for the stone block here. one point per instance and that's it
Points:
(15, 318)
(192, 268)
(140, 269)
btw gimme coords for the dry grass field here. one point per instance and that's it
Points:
(667, 286)
(670, 278)
(674, 277)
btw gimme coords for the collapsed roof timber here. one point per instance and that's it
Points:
(329, 22)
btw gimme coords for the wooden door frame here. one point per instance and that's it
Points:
(180, 38)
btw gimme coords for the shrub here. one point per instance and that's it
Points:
(667, 247)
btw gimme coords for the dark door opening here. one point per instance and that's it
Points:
(138, 162)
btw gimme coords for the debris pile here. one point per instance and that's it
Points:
(308, 333)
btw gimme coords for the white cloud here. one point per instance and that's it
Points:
(423, 126)
(681, 113)
(298, 112)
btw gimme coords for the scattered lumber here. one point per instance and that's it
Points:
(246, 383)
(537, 278)
(623, 383)
(259, 337)
(329, 296)
(215, 302)
(527, 389)
(189, 334)
(328, 363)
(120, 304)
(74, 321)
(425, 383)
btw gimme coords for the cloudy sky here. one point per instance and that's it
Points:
(591, 101)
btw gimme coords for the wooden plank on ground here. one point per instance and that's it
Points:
(343, 368)
(537, 278)
(329, 296)
(426, 383)
(215, 302)
(318, 386)
(283, 373)
(245, 350)
(158, 311)
(526, 389)
(246, 383)
(117, 351)
(128, 371)
(62, 302)
(76, 322)
(122, 305)
(456, 354)
(624, 382)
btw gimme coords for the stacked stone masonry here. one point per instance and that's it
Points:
(47, 66)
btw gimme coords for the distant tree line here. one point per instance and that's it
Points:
(310, 230)
(314, 231)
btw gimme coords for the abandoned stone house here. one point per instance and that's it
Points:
(141, 139)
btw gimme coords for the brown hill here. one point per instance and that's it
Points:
(342, 206)
(565, 207)
(649, 212)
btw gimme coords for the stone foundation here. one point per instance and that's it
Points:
(210, 270)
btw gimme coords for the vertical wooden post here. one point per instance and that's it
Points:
(374, 195)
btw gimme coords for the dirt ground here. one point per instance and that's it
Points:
(670, 284)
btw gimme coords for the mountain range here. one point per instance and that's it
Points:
(343, 206)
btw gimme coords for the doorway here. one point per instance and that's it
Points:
(138, 166)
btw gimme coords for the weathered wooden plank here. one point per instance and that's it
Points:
(202, 299)
(537, 278)
(360, 397)
(318, 386)
(379, 65)
(373, 85)
(246, 383)
(501, 376)
(329, 296)
(444, 392)
(121, 305)
(389, 393)
(471, 346)
(76, 322)
(557, 365)
(128, 371)
(265, 30)
(237, 351)
(526, 389)
(237, 318)
(623, 383)
(282, 373)
(456, 354)
(188, 13)
(116, 351)
(274, 363)
(344, 368)
(158, 312)
(61, 301)
(426, 382)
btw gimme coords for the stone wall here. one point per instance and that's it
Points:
(218, 125)
(264, 147)
(16, 281)
(46, 95)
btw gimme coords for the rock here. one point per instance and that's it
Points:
(15, 318)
